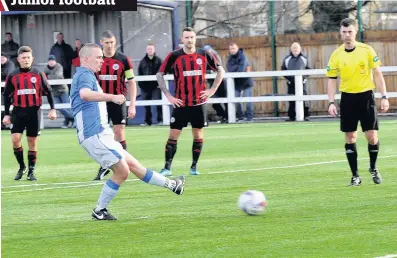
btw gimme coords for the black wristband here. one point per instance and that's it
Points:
(384, 97)
(331, 103)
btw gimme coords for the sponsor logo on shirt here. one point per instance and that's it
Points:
(192, 73)
(107, 77)
(27, 91)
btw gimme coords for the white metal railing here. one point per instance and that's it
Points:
(230, 98)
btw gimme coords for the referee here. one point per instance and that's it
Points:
(354, 63)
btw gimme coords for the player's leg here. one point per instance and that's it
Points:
(349, 117)
(178, 121)
(198, 120)
(197, 146)
(18, 120)
(16, 139)
(32, 157)
(370, 126)
(152, 177)
(32, 133)
(118, 116)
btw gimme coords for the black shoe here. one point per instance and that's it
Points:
(290, 120)
(355, 181)
(179, 185)
(102, 215)
(31, 176)
(102, 172)
(20, 173)
(375, 176)
(307, 119)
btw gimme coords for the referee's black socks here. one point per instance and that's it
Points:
(373, 154)
(351, 153)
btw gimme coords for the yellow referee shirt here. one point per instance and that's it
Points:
(354, 68)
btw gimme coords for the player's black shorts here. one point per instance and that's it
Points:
(196, 115)
(117, 113)
(28, 118)
(356, 107)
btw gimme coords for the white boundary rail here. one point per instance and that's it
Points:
(231, 99)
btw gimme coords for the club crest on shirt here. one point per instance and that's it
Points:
(33, 79)
(199, 61)
(376, 59)
(116, 67)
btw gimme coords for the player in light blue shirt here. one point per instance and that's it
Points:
(95, 136)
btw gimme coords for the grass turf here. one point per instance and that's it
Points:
(301, 167)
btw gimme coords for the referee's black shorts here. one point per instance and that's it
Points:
(356, 107)
(26, 118)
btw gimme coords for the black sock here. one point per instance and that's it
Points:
(18, 152)
(170, 150)
(32, 157)
(124, 144)
(373, 154)
(351, 153)
(196, 151)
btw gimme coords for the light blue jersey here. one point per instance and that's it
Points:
(91, 117)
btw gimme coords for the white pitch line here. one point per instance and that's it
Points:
(388, 256)
(84, 184)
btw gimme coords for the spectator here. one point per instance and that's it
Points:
(150, 65)
(6, 68)
(54, 71)
(76, 58)
(221, 92)
(64, 55)
(9, 48)
(296, 61)
(237, 62)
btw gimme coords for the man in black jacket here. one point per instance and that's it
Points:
(296, 61)
(9, 48)
(64, 55)
(150, 65)
(6, 68)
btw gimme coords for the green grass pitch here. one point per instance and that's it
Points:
(301, 168)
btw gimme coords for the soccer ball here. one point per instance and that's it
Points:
(252, 202)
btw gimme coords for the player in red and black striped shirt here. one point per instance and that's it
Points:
(189, 66)
(24, 88)
(116, 69)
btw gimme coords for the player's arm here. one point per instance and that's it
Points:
(89, 95)
(131, 84)
(214, 65)
(166, 68)
(8, 92)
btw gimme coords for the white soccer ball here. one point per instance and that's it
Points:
(252, 202)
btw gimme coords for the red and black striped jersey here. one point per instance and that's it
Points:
(189, 73)
(113, 74)
(25, 87)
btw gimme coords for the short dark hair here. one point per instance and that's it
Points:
(232, 43)
(9, 33)
(60, 33)
(108, 34)
(188, 29)
(24, 49)
(347, 22)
